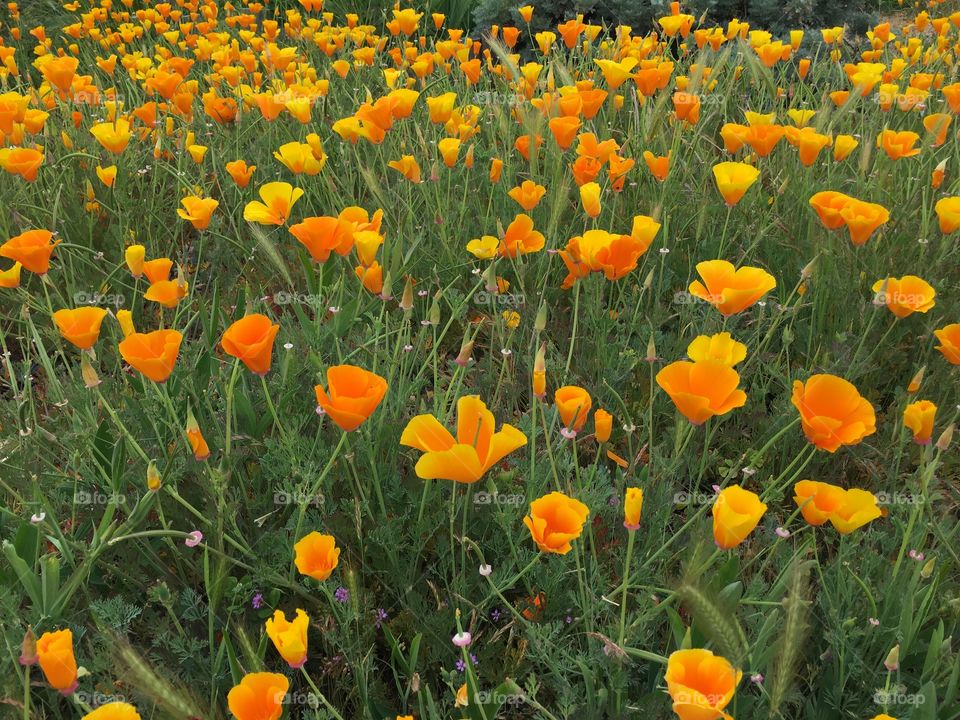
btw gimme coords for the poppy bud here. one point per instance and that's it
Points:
(927, 569)
(540, 372)
(465, 351)
(893, 659)
(944, 441)
(134, 256)
(435, 309)
(386, 292)
(603, 425)
(406, 301)
(632, 506)
(201, 451)
(914, 385)
(541, 320)
(651, 350)
(28, 648)
(153, 477)
(125, 318)
(89, 375)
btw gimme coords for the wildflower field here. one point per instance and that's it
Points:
(363, 366)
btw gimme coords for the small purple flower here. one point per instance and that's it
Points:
(495, 614)
(568, 619)
(473, 659)
(381, 615)
(461, 665)
(341, 595)
(257, 601)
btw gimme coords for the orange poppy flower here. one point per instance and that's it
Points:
(728, 289)
(316, 555)
(573, 405)
(10, 278)
(80, 326)
(250, 340)
(198, 211)
(351, 396)
(702, 389)
(555, 520)
(832, 412)
(564, 130)
(528, 194)
(701, 684)
(862, 219)
(734, 179)
(659, 166)
(817, 501)
(201, 451)
(408, 167)
(113, 136)
(278, 200)
(289, 637)
(948, 214)
(919, 417)
(31, 249)
(736, 512)
(323, 235)
(829, 204)
(905, 296)
(113, 711)
(153, 354)
(475, 450)
(258, 696)
(898, 145)
(24, 162)
(240, 172)
(949, 337)
(55, 655)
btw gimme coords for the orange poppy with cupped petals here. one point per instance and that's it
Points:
(919, 417)
(198, 211)
(55, 655)
(702, 389)
(528, 194)
(829, 204)
(832, 412)
(258, 696)
(153, 354)
(31, 249)
(80, 326)
(729, 289)
(736, 512)
(555, 520)
(817, 501)
(573, 405)
(250, 340)
(862, 219)
(467, 457)
(316, 555)
(949, 337)
(700, 684)
(351, 396)
(905, 296)
(323, 235)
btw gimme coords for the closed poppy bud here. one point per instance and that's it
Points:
(603, 424)
(153, 477)
(406, 300)
(938, 175)
(153, 354)
(351, 396)
(943, 442)
(259, 696)
(201, 451)
(28, 648)
(832, 412)
(914, 385)
(540, 372)
(55, 655)
(632, 506)
(113, 711)
(125, 318)
(540, 321)
(289, 638)
(555, 520)
(734, 179)
(736, 512)
(919, 417)
(526, 12)
(700, 684)
(496, 168)
(466, 350)
(316, 555)
(134, 256)
(80, 326)
(892, 661)
(250, 340)
(803, 67)
(590, 198)
(573, 404)
(31, 249)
